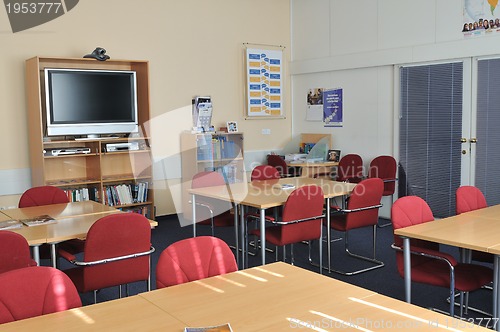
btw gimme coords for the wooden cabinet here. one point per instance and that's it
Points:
(86, 169)
(221, 152)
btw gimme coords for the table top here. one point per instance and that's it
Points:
(269, 193)
(60, 211)
(276, 297)
(467, 230)
(73, 220)
(280, 297)
(127, 314)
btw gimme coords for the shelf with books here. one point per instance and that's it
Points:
(221, 152)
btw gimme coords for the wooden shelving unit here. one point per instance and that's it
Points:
(222, 152)
(97, 170)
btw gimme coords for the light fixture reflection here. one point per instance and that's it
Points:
(201, 283)
(338, 320)
(246, 274)
(230, 281)
(426, 321)
(274, 274)
(83, 316)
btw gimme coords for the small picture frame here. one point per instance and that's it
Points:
(232, 127)
(333, 155)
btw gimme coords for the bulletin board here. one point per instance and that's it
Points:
(264, 83)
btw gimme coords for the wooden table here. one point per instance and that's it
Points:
(477, 230)
(311, 169)
(127, 314)
(276, 297)
(282, 297)
(267, 194)
(60, 211)
(73, 221)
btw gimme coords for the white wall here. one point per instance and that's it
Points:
(355, 45)
(193, 47)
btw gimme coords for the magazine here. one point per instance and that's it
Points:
(38, 221)
(10, 224)
(218, 328)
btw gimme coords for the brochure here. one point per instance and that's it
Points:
(10, 224)
(218, 328)
(38, 221)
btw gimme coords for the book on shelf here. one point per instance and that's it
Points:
(219, 328)
(122, 194)
(10, 224)
(38, 220)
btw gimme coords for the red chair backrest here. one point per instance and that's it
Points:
(193, 259)
(117, 235)
(302, 203)
(264, 172)
(207, 179)
(14, 252)
(365, 194)
(385, 168)
(43, 195)
(469, 198)
(279, 163)
(35, 291)
(407, 211)
(350, 168)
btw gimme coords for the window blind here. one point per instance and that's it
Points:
(487, 165)
(430, 132)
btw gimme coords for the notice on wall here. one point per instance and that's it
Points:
(481, 17)
(264, 85)
(314, 105)
(333, 107)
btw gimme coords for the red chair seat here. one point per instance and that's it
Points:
(14, 252)
(293, 233)
(468, 277)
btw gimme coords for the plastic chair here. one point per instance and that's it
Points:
(301, 220)
(194, 259)
(428, 264)
(385, 168)
(43, 195)
(35, 291)
(350, 168)
(116, 252)
(470, 198)
(264, 172)
(213, 212)
(362, 211)
(14, 252)
(280, 164)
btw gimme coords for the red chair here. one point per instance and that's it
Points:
(116, 252)
(194, 259)
(385, 168)
(428, 264)
(470, 198)
(301, 220)
(43, 195)
(14, 252)
(280, 164)
(211, 212)
(35, 291)
(350, 168)
(362, 211)
(264, 172)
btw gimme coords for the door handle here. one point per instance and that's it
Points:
(463, 140)
(473, 140)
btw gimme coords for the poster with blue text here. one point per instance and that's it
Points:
(332, 107)
(264, 72)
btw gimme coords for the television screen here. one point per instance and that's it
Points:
(84, 102)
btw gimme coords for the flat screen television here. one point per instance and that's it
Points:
(90, 102)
